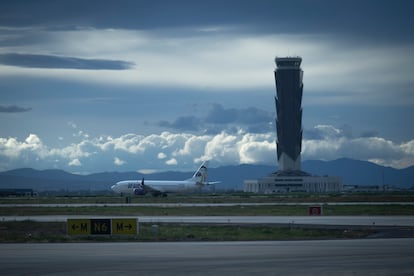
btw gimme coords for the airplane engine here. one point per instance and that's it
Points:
(139, 191)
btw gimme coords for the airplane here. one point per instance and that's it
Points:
(162, 187)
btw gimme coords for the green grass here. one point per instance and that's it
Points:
(170, 232)
(295, 210)
(369, 210)
(30, 231)
(218, 198)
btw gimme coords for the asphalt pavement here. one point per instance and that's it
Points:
(292, 220)
(326, 257)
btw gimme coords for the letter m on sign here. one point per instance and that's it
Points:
(120, 226)
(84, 227)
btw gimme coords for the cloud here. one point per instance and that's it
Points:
(118, 161)
(13, 109)
(184, 123)
(62, 62)
(72, 125)
(372, 19)
(349, 59)
(223, 60)
(332, 143)
(184, 151)
(251, 119)
(14, 149)
(171, 162)
(220, 119)
(320, 132)
(252, 115)
(75, 163)
(161, 155)
(352, 57)
(220, 60)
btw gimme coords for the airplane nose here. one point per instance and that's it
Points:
(113, 187)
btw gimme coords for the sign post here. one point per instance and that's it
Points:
(315, 210)
(79, 226)
(124, 226)
(100, 226)
(118, 226)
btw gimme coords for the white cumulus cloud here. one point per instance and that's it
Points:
(75, 163)
(172, 161)
(161, 155)
(183, 150)
(118, 161)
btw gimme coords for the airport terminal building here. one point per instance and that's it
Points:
(288, 101)
(277, 183)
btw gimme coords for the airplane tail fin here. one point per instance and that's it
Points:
(200, 176)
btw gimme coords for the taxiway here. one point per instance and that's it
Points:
(292, 220)
(327, 257)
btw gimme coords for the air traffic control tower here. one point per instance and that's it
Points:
(288, 100)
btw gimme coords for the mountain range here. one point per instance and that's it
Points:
(353, 172)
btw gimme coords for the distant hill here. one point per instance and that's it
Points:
(353, 172)
(357, 172)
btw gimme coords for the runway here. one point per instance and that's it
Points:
(327, 257)
(171, 205)
(302, 220)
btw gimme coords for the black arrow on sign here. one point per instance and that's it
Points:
(129, 226)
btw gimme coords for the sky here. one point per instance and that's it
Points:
(93, 86)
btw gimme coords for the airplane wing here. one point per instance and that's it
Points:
(149, 188)
(213, 182)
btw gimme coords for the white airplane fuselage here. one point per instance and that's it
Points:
(161, 186)
(156, 187)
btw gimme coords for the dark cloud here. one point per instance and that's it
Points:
(13, 109)
(218, 115)
(346, 131)
(246, 116)
(369, 134)
(22, 37)
(62, 62)
(219, 118)
(184, 123)
(369, 19)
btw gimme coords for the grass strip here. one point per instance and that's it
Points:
(217, 198)
(295, 210)
(31, 231)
